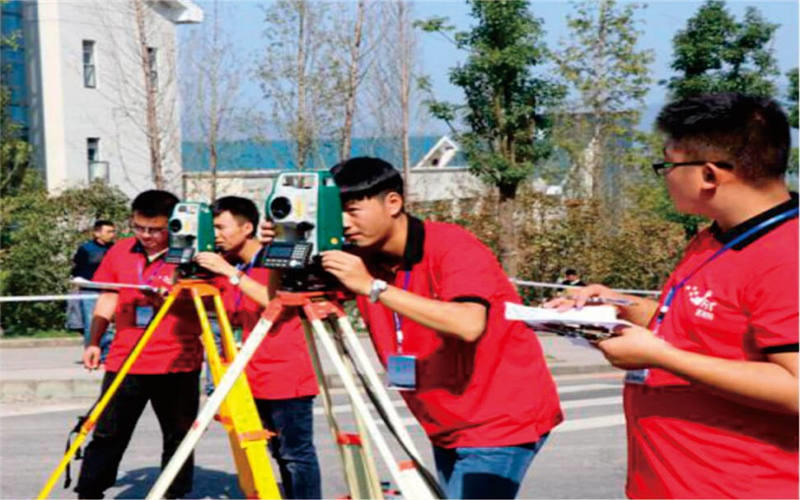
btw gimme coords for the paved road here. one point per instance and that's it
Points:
(584, 458)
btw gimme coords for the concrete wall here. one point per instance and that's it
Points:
(426, 184)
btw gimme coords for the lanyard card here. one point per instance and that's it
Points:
(143, 316)
(402, 372)
(636, 376)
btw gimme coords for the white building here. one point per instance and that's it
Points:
(85, 64)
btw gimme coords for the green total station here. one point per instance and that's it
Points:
(191, 230)
(307, 212)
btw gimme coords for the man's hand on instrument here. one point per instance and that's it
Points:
(349, 269)
(91, 357)
(215, 263)
(266, 232)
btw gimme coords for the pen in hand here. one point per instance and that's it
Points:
(604, 300)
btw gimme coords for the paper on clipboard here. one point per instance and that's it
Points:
(591, 323)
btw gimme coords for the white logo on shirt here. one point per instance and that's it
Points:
(705, 306)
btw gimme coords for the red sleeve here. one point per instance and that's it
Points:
(771, 301)
(466, 270)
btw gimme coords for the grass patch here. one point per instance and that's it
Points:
(41, 334)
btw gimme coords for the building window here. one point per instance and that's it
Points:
(98, 170)
(89, 70)
(92, 149)
(152, 66)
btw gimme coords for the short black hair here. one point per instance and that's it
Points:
(570, 271)
(99, 223)
(749, 132)
(366, 177)
(154, 203)
(242, 209)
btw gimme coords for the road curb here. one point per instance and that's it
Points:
(16, 391)
(51, 342)
(49, 390)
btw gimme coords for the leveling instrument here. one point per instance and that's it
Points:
(318, 308)
(238, 413)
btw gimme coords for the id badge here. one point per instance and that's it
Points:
(636, 376)
(402, 372)
(143, 316)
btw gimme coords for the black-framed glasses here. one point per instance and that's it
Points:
(147, 230)
(662, 168)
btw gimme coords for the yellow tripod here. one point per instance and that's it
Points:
(360, 471)
(237, 413)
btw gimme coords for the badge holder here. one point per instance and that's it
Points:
(401, 371)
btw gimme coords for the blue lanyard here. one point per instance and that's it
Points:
(662, 312)
(398, 321)
(246, 268)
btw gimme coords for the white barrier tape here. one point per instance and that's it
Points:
(35, 298)
(539, 284)
(84, 283)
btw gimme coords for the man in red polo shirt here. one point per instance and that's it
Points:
(432, 297)
(711, 396)
(165, 373)
(280, 373)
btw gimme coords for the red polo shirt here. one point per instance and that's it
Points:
(686, 442)
(281, 367)
(175, 345)
(496, 391)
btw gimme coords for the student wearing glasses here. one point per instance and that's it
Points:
(167, 370)
(711, 393)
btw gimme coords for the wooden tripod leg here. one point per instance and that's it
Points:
(410, 489)
(90, 422)
(371, 473)
(351, 340)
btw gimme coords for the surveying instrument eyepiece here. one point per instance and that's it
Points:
(307, 213)
(191, 230)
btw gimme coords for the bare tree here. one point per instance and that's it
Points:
(211, 87)
(406, 43)
(143, 88)
(352, 82)
(388, 95)
(610, 74)
(301, 74)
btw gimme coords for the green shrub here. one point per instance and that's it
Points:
(636, 248)
(39, 235)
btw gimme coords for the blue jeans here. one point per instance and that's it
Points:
(293, 447)
(491, 472)
(87, 310)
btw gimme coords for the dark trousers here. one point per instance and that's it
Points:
(175, 399)
(293, 447)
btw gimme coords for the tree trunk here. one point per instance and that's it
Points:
(352, 83)
(508, 233)
(405, 93)
(153, 129)
(303, 141)
(214, 107)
